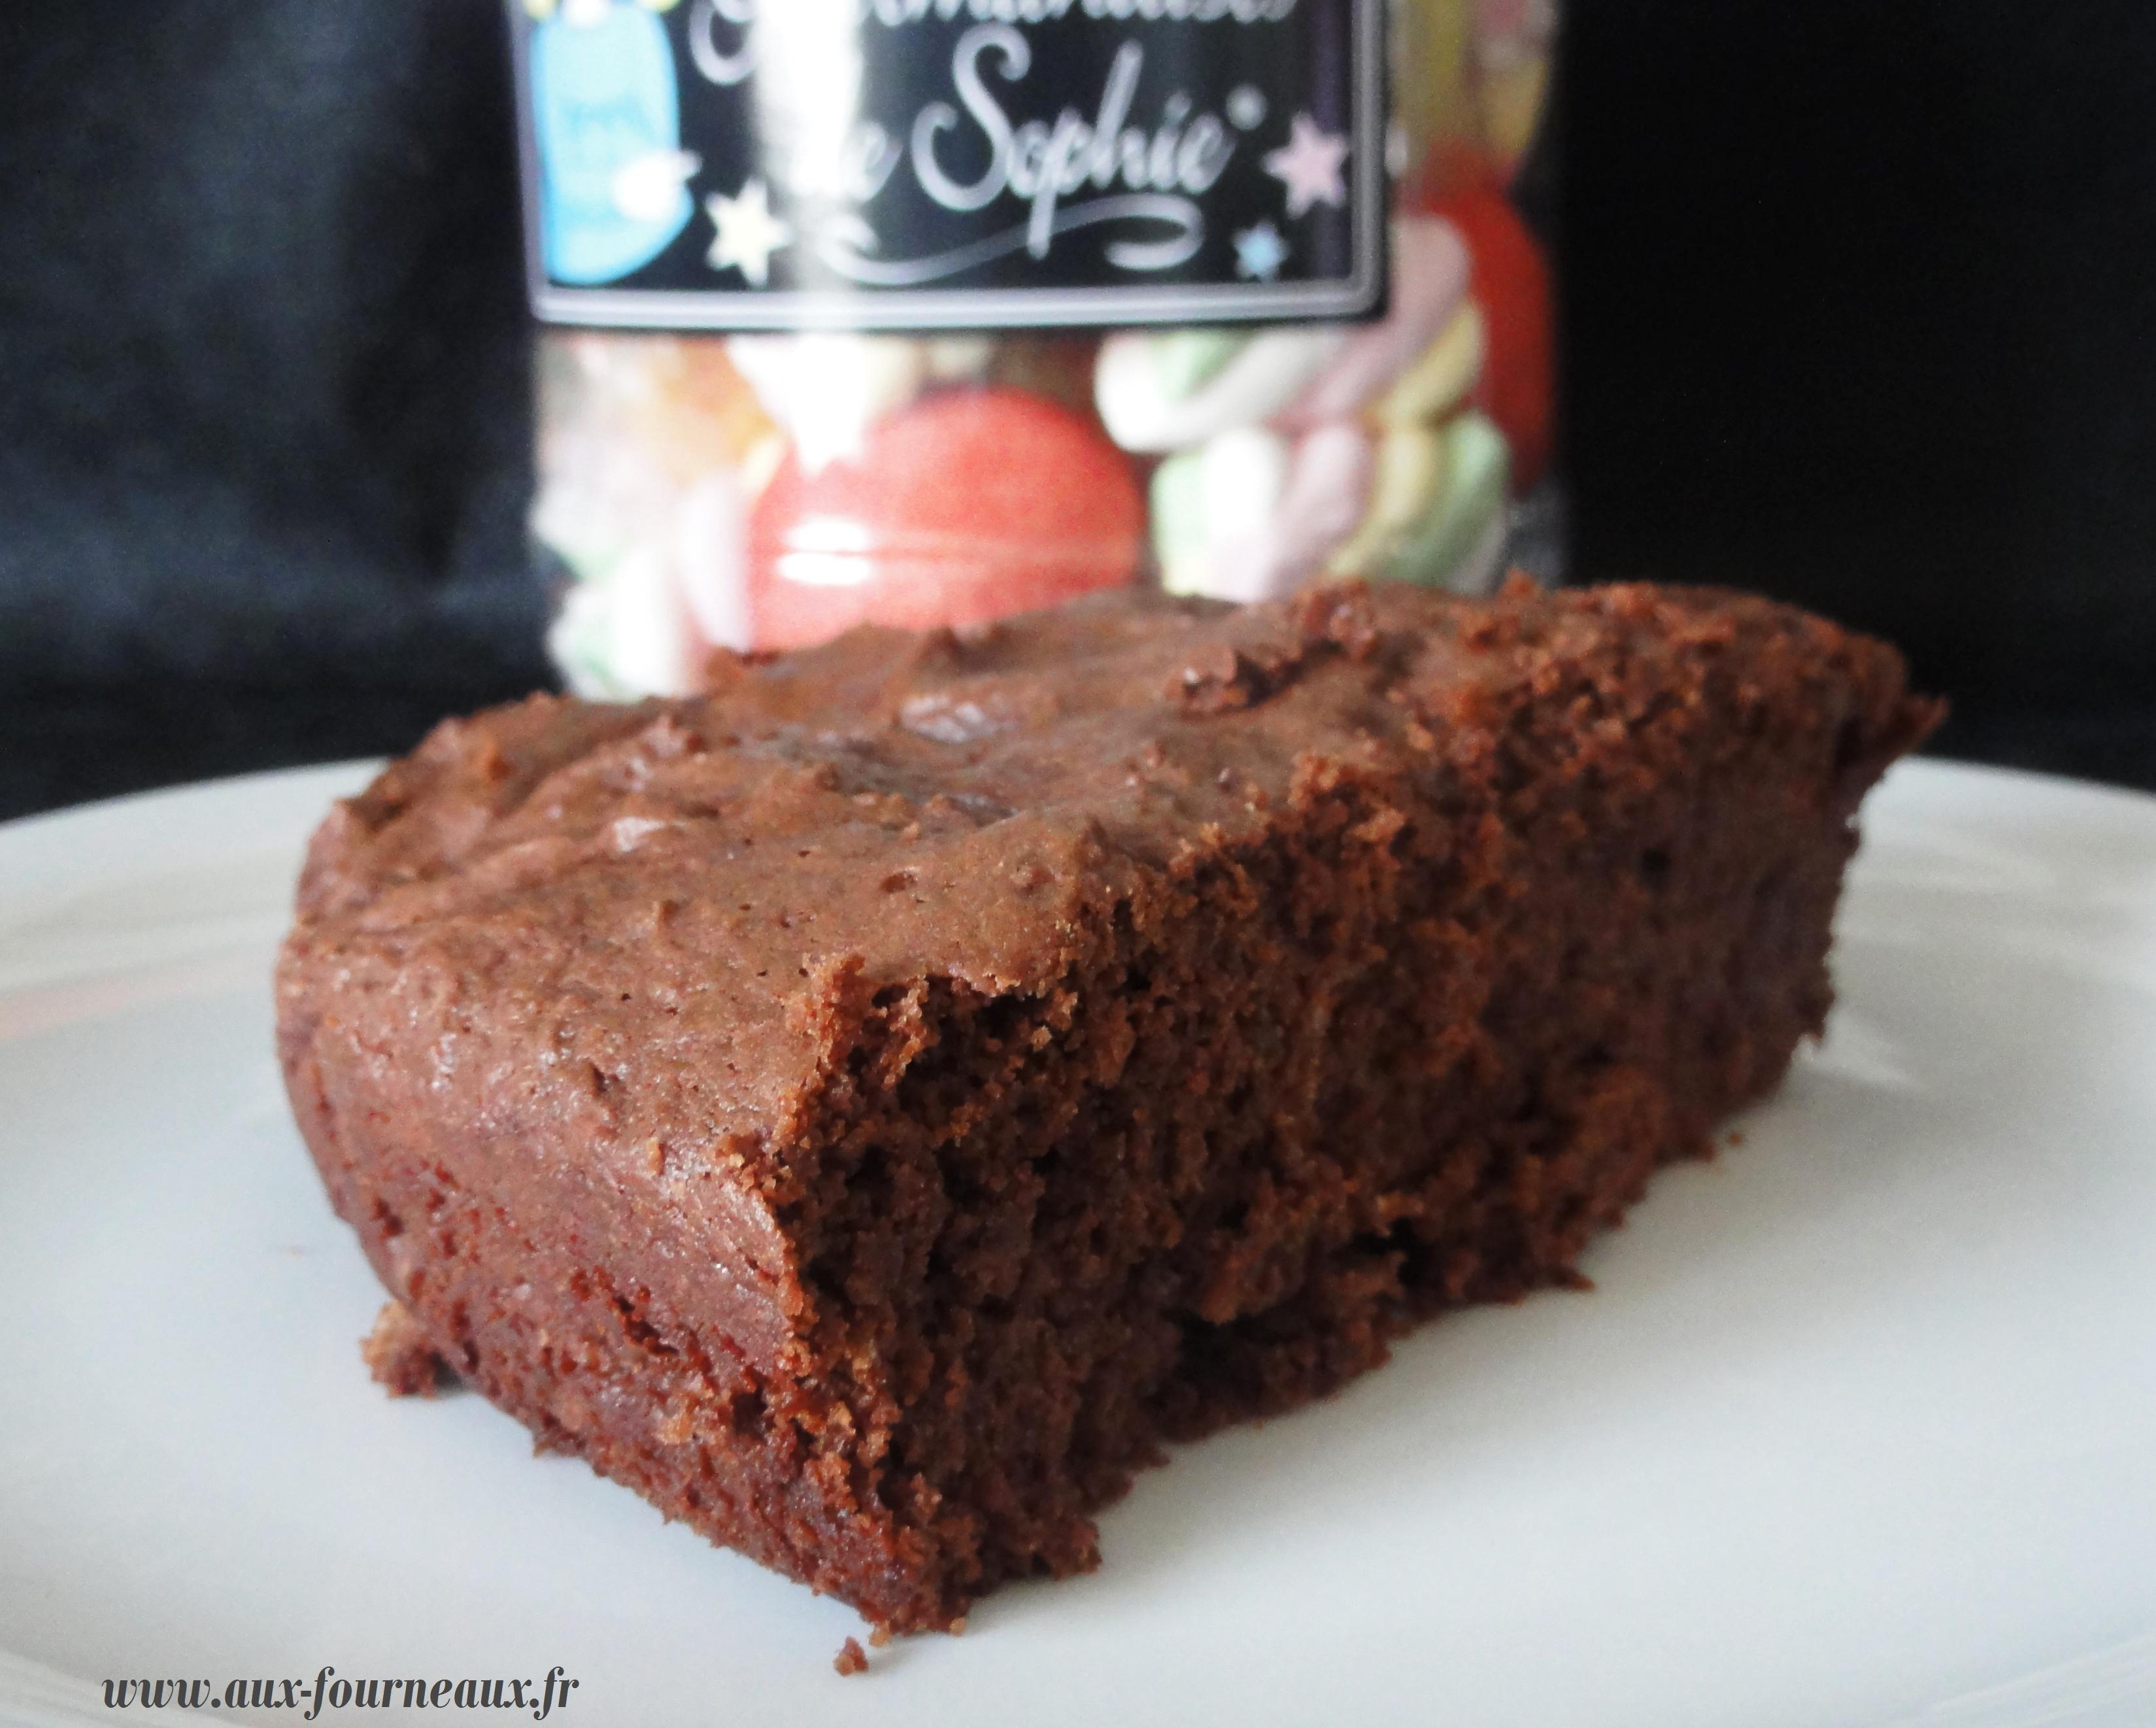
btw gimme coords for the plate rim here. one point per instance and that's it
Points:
(35, 1695)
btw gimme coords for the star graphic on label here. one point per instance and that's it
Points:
(1308, 165)
(747, 232)
(1260, 252)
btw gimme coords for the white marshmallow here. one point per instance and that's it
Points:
(628, 633)
(1212, 507)
(1328, 489)
(827, 388)
(959, 359)
(1142, 383)
(711, 557)
(1248, 516)
(654, 648)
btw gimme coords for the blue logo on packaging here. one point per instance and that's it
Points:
(606, 114)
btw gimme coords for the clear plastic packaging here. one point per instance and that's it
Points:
(767, 489)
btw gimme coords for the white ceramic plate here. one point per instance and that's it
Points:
(1859, 1426)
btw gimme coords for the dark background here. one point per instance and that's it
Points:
(1861, 310)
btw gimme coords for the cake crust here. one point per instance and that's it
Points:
(868, 1109)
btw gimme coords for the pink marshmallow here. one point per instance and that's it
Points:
(1430, 278)
(1328, 487)
(1330, 472)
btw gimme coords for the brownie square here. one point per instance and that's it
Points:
(869, 1108)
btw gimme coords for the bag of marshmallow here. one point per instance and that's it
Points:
(922, 312)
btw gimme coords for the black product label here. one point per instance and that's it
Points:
(917, 164)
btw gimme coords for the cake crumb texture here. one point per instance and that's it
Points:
(397, 1355)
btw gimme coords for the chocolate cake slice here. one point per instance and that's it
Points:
(868, 1109)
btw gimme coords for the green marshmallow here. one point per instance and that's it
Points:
(1478, 468)
(1179, 522)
